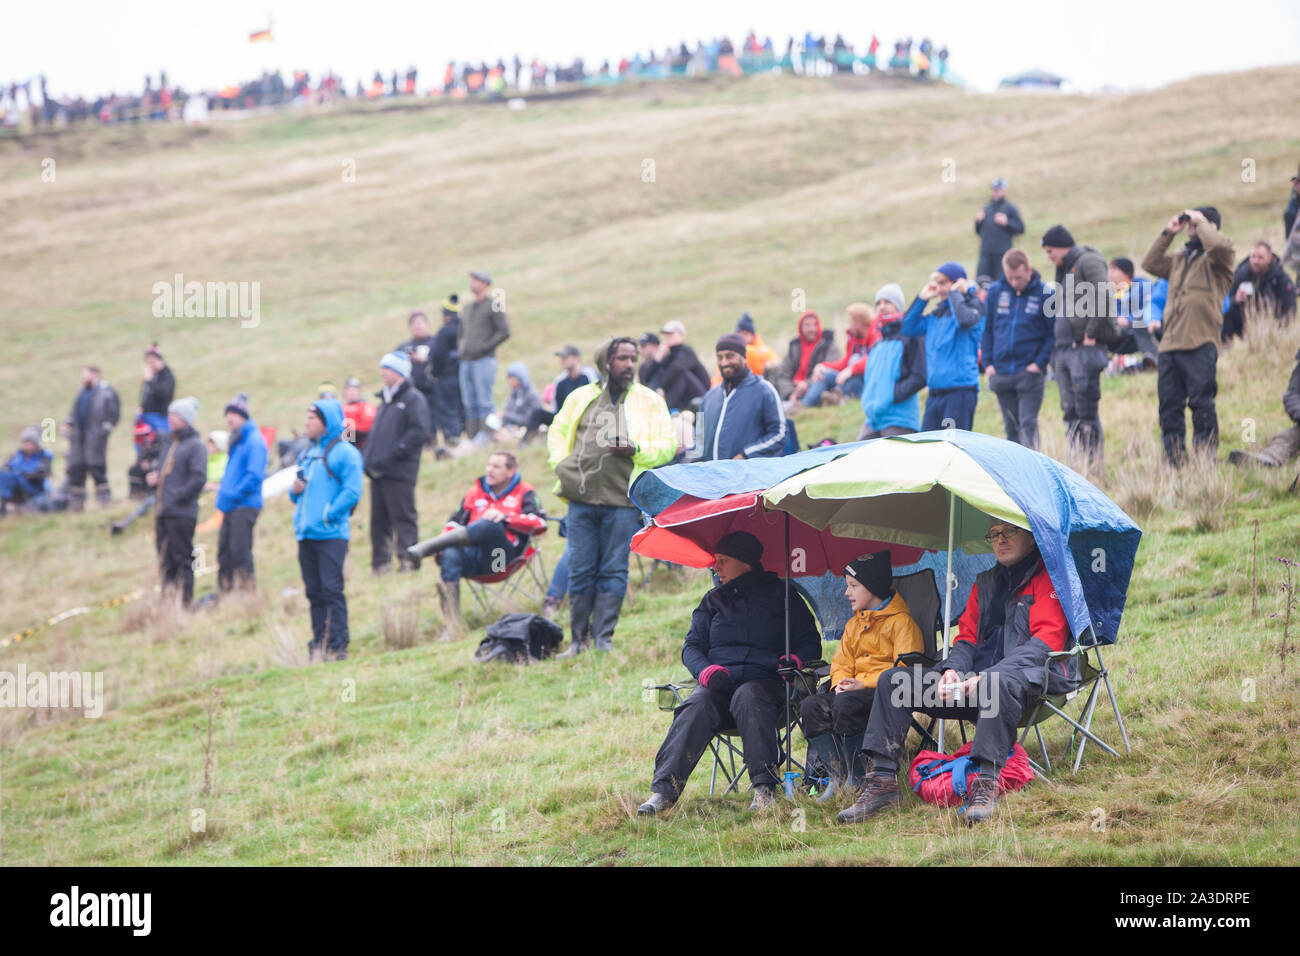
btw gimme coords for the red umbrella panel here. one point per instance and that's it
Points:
(687, 531)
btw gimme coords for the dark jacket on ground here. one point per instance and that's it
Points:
(1087, 314)
(682, 377)
(157, 393)
(995, 239)
(398, 435)
(741, 626)
(825, 351)
(482, 329)
(1274, 285)
(1012, 621)
(182, 473)
(746, 419)
(1017, 331)
(90, 446)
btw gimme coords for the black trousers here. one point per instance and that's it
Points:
(392, 512)
(175, 538)
(1187, 379)
(321, 563)
(990, 264)
(1020, 396)
(995, 726)
(235, 548)
(445, 408)
(755, 708)
(1078, 377)
(844, 714)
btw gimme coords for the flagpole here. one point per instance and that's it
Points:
(947, 597)
(789, 732)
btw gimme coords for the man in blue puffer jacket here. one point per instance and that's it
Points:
(734, 648)
(239, 499)
(741, 417)
(326, 491)
(1017, 345)
(893, 381)
(952, 338)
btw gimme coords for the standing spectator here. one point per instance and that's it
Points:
(1283, 446)
(523, 402)
(845, 373)
(1082, 328)
(490, 529)
(747, 404)
(392, 462)
(157, 390)
(239, 499)
(94, 414)
(326, 490)
(419, 349)
(358, 414)
(444, 370)
(1133, 294)
(1017, 346)
(1292, 206)
(758, 354)
(603, 437)
(1199, 277)
(952, 337)
(895, 373)
(572, 377)
(24, 478)
(483, 326)
(648, 374)
(997, 225)
(1260, 283)
(178, 481)
(681, 376)
(811, 346)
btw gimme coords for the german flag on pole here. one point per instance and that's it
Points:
(260, 35)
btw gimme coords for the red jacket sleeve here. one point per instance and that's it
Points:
(1046, 618)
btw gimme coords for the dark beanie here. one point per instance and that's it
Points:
(1059, 237)
(874, 572)
(239, 404)
(742, 546)
(731, 342)
(746, 324)
(1123, 265)
(1212, 214)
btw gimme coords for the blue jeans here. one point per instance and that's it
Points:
(600, 539)
(476, 379)
(950, 408)
(851, 389)
(559, 586)
(489, 554)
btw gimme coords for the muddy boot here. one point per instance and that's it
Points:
(824, 767)
(77, 499)
(981, 799)
(1280, 449)
(457, 537)
(579, 623)
(604, 619)
(104, 495)
(855, 761)
(453, 628)
(879, 793)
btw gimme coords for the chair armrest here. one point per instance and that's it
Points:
(914, 657)
(671, 695)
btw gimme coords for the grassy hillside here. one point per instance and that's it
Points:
(761, 191)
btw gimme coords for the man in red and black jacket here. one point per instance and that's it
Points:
(997, 667)
(497, 516)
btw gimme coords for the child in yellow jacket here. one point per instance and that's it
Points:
(880, 630)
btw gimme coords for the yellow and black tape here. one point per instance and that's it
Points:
(62, 616)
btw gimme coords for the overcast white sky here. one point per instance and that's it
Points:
(94, 47)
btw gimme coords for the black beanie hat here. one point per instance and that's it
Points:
(1059, 237)
(731, 342)
(874, 572)
(742, 546)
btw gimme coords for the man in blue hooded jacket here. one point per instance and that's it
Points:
(1017, 345)
(952, 340)
(326, 490)
(239, 499)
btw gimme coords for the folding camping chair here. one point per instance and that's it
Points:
(524, 579)
(922, 596)
(728, 754)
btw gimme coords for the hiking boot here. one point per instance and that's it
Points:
(764, 798)
(879, 793)
(981, 799)
(657, 803)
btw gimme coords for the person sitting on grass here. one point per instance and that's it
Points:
(1285, 445)
(844, 375)
(734, 647)
(880, 631)
(24, 478)
(997, 667)
(488, 531)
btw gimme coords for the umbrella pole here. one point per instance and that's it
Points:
(947, 598)
(789, 729)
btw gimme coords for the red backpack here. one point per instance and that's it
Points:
(942, 779)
